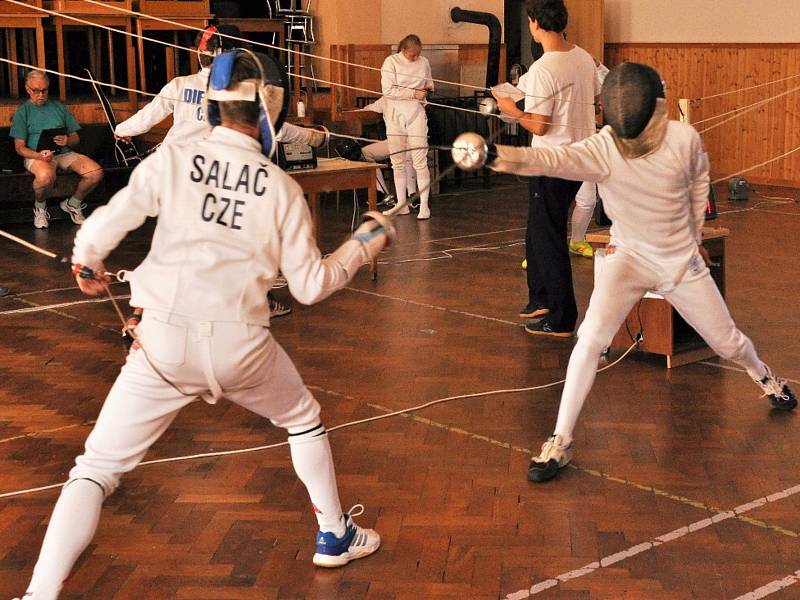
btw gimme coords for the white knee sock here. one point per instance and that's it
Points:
(580, 223)
(72, 526)
(581, 372)
(313, 463)
(400, 186)
(423, 184)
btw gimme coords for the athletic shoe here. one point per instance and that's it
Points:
(581, 249)
(544, 327)
(356, 542)
(554, 456)
(779, 394)
(533, 311)
(424, 214)
(403, 211)
(276, 309)
(388, 201)
(41, 218)
(4, 291)
(75, 212)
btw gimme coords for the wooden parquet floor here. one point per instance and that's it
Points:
(662, 457)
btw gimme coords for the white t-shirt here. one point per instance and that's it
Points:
(228, 220)
(562, 85)
(183, 99)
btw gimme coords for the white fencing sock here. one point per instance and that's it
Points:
(313, 463)
(72, 526)
(424, 184)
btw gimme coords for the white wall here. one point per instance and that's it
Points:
(698, 21)
(430, 20)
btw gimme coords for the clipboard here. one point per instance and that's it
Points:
(46, 141)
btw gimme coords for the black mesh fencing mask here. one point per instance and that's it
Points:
(633, 105)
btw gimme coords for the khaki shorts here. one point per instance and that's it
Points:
(63, 161)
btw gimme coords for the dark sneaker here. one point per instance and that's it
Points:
(356, 542)
(4, 291)
(533, 311)
(543, 327)
(277, 309)
(555, 455)
(778, 392)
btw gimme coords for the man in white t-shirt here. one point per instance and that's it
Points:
(559, 109)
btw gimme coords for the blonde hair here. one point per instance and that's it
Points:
(409, 41)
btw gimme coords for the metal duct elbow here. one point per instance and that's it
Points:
(459, 15)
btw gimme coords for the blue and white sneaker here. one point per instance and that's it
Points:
(356, 542)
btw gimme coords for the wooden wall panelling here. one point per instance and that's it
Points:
(699, 70)
(478, 55)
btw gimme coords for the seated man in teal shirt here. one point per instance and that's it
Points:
(31, 119)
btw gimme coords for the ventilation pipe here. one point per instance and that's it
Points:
(495, 30)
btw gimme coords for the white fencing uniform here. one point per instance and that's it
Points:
(228, 220)
(586, 197)
(378, 151)
(406, 122)
(183, 99)
(657, 204)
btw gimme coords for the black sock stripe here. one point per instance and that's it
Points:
(309, 431)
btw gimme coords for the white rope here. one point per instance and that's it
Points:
(742, 110)
(180, 25)
(753, 168)
(44, 307)
(190, 50)
(745, 89)
(396, 413)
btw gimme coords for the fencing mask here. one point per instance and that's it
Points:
(634, 107)
(244, 76)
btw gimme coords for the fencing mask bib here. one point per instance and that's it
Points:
(634, 107)
(270, 89)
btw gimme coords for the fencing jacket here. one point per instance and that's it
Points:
(183, 99)
(228, 220)
(657, 202)
(399, 78)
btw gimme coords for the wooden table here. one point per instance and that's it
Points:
(333, 175)
(665, 331)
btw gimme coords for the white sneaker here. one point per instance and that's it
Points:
(555, 455)
(393, 211)
(424, 213)
(41, 218)
(356, 542)
(75, 213)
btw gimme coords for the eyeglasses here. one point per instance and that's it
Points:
(38, 90)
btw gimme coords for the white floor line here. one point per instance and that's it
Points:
(771, 587)
(460, 237)
(434, 307)
(671, 536)
(43, 307)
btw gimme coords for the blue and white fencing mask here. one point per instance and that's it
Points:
(271, 91)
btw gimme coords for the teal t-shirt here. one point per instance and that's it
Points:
(30, 120)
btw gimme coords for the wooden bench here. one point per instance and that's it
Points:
(16, 184)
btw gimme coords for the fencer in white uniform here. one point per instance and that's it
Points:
(183, 99)
(586, 197)
(653, 176)
(405, 82)
(378, 151)
(227, 220)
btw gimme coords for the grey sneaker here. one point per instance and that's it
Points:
(778, 392)
(277, 309)
(554, 456)
(75, 213)
(41, 218)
